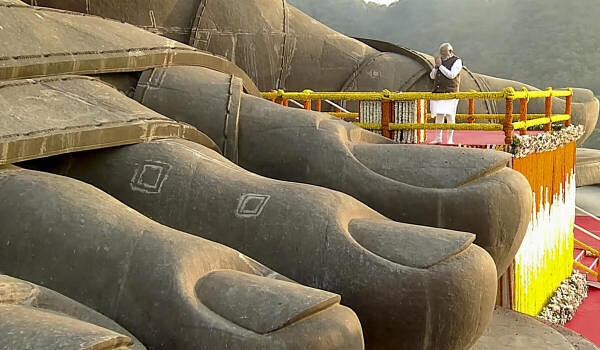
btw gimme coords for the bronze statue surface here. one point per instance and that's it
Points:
(280, 47)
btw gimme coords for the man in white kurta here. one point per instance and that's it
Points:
(446, 79)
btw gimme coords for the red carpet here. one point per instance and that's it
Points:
(587, 319)
(473, 137)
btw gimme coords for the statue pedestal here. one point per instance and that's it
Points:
(545, 257)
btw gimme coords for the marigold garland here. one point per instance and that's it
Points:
(545, 257)
(509, 93)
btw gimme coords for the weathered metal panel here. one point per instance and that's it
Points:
(38, 42)
(48, 116)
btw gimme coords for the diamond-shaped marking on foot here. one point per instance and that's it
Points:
(150, 176)
(251, 205)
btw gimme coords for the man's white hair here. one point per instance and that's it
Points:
(447, 45)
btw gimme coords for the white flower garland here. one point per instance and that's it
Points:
(565, 301)
(524, 145)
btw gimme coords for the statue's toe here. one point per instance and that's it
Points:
(444, 284)
(409, 245)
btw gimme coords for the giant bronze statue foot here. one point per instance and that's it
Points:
(241, 124)
(459, 189)
(34, 317)
(172, 290)
(280, 47)
(384, 270)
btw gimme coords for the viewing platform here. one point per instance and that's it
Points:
(403, 115)
(543, 148)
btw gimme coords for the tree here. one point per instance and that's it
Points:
(540, 42)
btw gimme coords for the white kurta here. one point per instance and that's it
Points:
(443, 106)
(446, 106)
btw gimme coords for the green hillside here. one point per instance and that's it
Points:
(541, 42)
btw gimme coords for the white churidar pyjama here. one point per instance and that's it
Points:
(447, 108)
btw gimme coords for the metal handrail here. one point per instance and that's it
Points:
(296, 103)
(585, 247)
(588, 213)
(508, 93)
(388, 98)
(331, 103)
(587, 232)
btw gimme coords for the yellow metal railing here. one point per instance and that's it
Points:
(408, 96)
(593, 269)
(592, 251)
(511, 121)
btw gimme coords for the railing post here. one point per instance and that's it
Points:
(508, 117)
(598, 267)
(386, 117)
(419, 120)
(523, 112)
(423, 132)
(272, 99)
(280, 100)
(307, 105)
(318, 105)
(548, 126)
(470, 119)
(568, 102)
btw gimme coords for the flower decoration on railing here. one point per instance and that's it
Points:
(524, 145)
